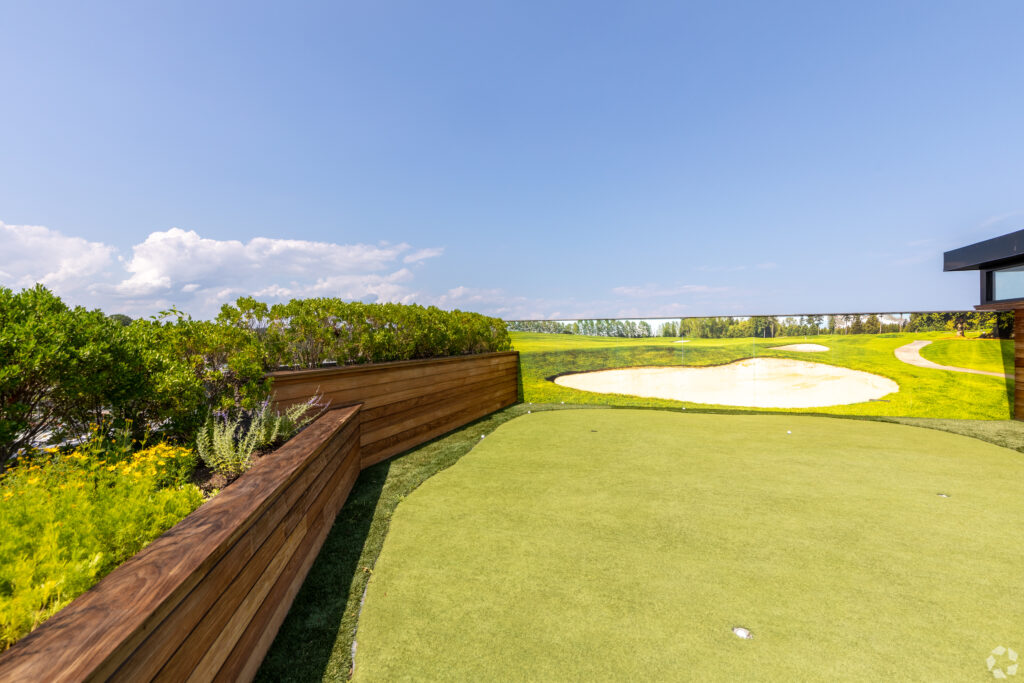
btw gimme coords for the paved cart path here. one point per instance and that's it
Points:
(911, 355)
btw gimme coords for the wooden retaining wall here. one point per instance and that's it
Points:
(204, 601)
(1018, 363)
(408, 402)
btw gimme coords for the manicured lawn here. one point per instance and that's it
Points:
(924, 392)
(991, 355)
(625, 544)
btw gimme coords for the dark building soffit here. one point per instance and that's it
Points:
(998, 251)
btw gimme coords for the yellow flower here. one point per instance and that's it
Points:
(33, 480)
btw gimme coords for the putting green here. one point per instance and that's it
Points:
(626, 544)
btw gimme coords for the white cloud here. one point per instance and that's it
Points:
(624, 304)
(423, 254)
(652, 290)
(33, 253)
(722, 269)
(198, 274)
(992, 221)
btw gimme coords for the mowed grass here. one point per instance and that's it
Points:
(924, 392)
(625, 544)
(990, 355)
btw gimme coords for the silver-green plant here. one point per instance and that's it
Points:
(221, 450)
(227, 445)
(301, 414)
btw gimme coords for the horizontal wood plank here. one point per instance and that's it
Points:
(392, 368)
(341, 390)
(93, 635)
(370, 378)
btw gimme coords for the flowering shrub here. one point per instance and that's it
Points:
(68, 519)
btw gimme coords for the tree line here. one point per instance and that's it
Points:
(990, 323)
(592, 328)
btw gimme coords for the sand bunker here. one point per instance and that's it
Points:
(808, 348)
(754, 382)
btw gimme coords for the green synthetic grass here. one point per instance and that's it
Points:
(1006, 433)
(924, 392)
(625, 544)
(990, 355)
(315, 640)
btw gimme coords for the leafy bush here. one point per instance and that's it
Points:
(66, 520)
(306, 333)
(62, 369)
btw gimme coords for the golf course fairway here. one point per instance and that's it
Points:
(627, 544)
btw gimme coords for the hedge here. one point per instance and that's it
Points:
(63, 369)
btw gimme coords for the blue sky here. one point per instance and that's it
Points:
(522, 159)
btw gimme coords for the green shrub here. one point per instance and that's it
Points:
(62, 369)
(307, 333)
(66, 520)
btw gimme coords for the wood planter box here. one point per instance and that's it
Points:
(407, 403)
(204, 600)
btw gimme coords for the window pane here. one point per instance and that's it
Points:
(1008, 283)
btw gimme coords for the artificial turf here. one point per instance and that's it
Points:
(315, 640)
(620, 544)
(924, 392)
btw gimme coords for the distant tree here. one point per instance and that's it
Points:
(764, 326)
(121, 319)
(668, 329)
(856, 325)
(959, 321)
(544, 326)
(872, 325)
(1003, 327)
